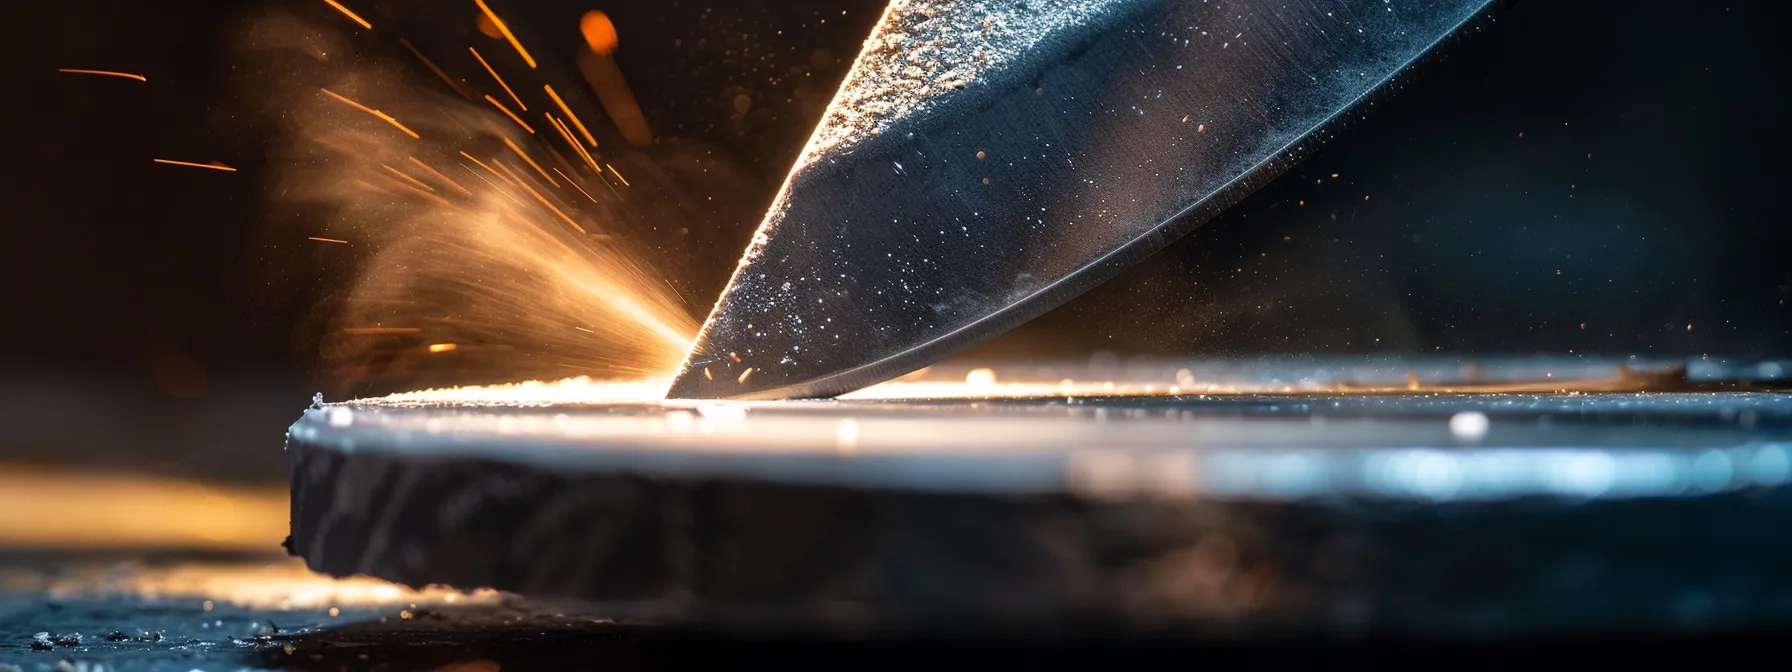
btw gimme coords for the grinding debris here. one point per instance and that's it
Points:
(45, 641)
(922, 50)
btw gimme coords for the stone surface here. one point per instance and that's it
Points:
(1571, 515)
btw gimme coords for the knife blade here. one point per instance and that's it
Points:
(986, 161)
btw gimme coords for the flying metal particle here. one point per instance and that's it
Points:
(440, 176)
(382, 115)
(436, 69)
(532, 164)
(481, 164)
(575, 185)
(505, 31)
(442, 347)
(744, 375)
(519, 120)
(569, 115)
(108, 73)
(618, 175)
(349, 13)
(501, 82)
(210, 166)
(567, 135)
(518, 181)
(408, 179)
(328, 240)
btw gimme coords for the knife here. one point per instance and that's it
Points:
(986, 161)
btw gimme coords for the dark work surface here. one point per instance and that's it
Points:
(517, 635)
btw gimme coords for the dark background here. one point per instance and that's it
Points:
(1572, 177)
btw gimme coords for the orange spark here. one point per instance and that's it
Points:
(519, 120)
(569, 115)
(505, 30)
(567, 135)
(108, 73)
(440, 176)
(213, 165)
(559, 159)
(543, 199)
(377, 331)
(409, 179)
(436, 69)
(327, 240)
(486, 167)
(532, 164)
(346, 12)
(575, 185)
(501, 82)
(442, 347)
(382, 115)
(419, 192)
(618, 175)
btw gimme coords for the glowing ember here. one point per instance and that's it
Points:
(501, 82)
(350, 14)
(505, 31)
(210, 166)
(107, 73)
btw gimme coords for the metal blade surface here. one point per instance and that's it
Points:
(987, 161)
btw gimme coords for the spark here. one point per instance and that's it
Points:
(618, 175)
(505, 30)
(744, 375)
(382, 115)
(350, 14)
(532, 164)
(211, 166)
(494, 185)
(560, 159)
(409, 179)
(576, 147)
(501, 82)
(575, 185)
(440, 176)
(442, 347)
(482, 165)
(519, 120)
(430, 194)
(436, 69)
(327, 240)
(569, 115)
(108, 73)
(543, 199)
(380, 331)
(646, 318)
